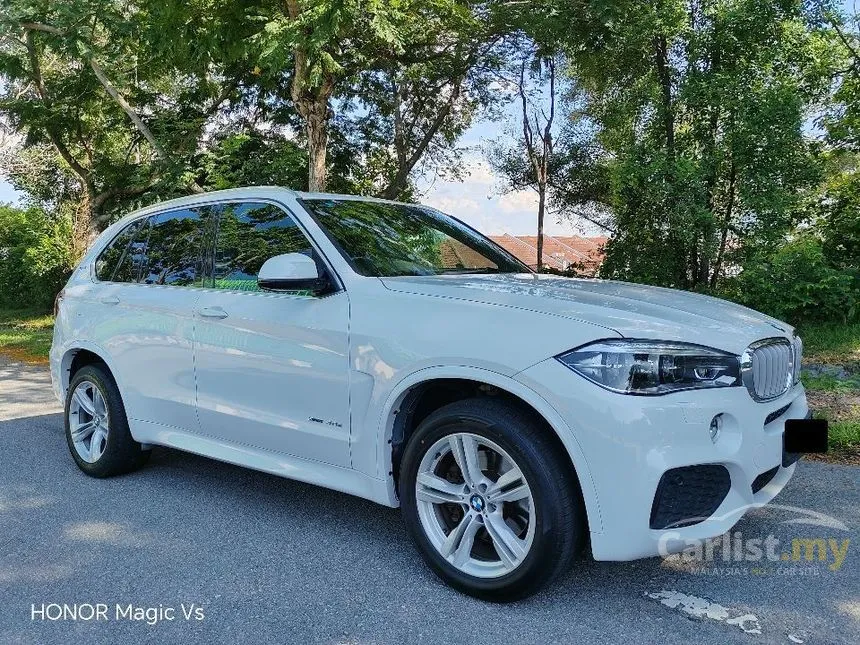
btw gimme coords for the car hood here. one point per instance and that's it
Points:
(632, 310)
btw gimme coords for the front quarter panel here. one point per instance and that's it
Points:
(398, 340)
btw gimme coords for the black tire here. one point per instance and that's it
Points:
(560, 521)
(122, 454)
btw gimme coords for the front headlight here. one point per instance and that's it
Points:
(652, 367)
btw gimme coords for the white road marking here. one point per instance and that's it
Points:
(701, 608)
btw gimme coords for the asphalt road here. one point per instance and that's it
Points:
(270, 560)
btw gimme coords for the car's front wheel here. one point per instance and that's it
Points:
(96, 426)
(489, 501)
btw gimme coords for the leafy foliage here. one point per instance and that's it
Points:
(716, 141)
(797, 283)
(35, 257)
(699, 111)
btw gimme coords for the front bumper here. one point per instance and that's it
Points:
(630, 442)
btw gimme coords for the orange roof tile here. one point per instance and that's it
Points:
(559, 252)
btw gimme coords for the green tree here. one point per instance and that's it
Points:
(121, 93)
(529, 162)
(405, 66)
(35, 256)
(700, 111)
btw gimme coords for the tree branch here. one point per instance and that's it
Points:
(102, 198)
(528, 135)
(842, 37)
(116, 96)
(36, 73)
(39, 26)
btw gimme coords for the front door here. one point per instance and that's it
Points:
(149, 279)
(272, 368)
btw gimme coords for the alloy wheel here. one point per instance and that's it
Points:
(89, 423)
(475, 505)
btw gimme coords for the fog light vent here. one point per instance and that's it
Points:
(689, 495)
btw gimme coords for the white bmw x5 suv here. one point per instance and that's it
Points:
(389, 351)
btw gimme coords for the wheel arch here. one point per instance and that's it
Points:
(83, 353)
(396, 411)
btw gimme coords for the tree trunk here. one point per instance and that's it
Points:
(311, 102)
(664, 77)
(724, 235)
(708, 228)
(541, 209)
(85, 227)
(316, 126)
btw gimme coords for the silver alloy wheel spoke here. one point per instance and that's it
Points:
(84, 402)
(96, 444)
(432, 488)
(510, 487)
(83, 431)
(459, 541)
(465, 450)
(509, 547)
(466, 522)
(99, 403)
(465, 540)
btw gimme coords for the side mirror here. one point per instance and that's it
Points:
(291, 272)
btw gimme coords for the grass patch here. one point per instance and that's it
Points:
(843, 442)
(844, 435)
(827, 383)
(831, 343)
(26, 334)
(836, 396)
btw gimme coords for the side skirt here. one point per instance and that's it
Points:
(345, 480)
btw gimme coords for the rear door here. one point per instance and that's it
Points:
(150, 279)
(272, 368)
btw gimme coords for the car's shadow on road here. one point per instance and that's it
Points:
(229, 533)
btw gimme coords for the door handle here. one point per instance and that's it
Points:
(212, 312)
(111, 300)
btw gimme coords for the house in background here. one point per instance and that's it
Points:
(562, 253)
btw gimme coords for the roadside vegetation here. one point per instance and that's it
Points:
(25, 335)
(831, 374)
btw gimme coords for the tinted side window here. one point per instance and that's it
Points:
(171, 252)
(248, 235)
(115, 255)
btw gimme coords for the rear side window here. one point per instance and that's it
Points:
(248, 235)
(170, 250)
(113, 264)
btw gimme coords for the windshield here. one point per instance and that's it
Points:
(383, 240)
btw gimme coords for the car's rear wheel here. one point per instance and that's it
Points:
(96, 426)
(489, 501)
